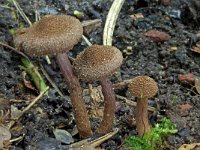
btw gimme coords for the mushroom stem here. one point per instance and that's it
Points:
(109, 107)
(141, 116)
(80, 112)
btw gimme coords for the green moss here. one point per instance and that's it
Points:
(153, 139)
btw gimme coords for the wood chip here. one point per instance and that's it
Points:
(196, 49)
(157, 36)
(189, 146)
(197, 84)
(189, 77)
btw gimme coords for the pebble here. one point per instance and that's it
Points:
(184, 132)
(49, 144)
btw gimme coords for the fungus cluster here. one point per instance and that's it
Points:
(56, 34)
(142, 87)
(99, 62)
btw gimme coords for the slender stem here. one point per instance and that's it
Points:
(141, 116)
(109, 107)
(80, 112)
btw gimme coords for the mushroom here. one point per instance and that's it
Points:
(56, 34)
(142, 87)
(98, 62)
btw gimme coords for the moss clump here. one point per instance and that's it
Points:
(154, 138)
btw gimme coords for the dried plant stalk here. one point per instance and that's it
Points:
(111, 21)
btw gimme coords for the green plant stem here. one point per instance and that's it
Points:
(34, 74)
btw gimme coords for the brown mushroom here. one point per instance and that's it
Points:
(98, 62)
(142, 87)
(56, 34)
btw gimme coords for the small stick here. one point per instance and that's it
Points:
(28, 107)
(18, 101)
(5, 6)
(86, 40)
(50, 81)
(101, 139)
(33, 102)
(21, 12)
(17, 139)
(13, 49)
(90, 22)
(131, 103)
(95, 142)
(121, 84)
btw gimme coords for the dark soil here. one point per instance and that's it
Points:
(180, 20)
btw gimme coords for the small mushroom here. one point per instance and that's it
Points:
(98, 62)
(142, 87)
(56, 34)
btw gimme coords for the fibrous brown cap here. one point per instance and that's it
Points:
(52, 34)
(143, 87)
(97, 62)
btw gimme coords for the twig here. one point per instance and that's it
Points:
(86, 40)
(131, 103)
(28, 107)
(13, 49)
(93, 142)
(5, 6)
(90, 22)
(50, 81)
(17, 139)
(33, 102)
(121, 84)
(111, 21)
(19, 101)
(21, 12)
(100, 140)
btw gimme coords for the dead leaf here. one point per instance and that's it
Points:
(96, 96)
(185, 107)
(4, 109)
(28, 84)
(157, 36)
(5, 136)
(196, 48)
(15, 112)
(197, 84)
(186, 77)
(189, 146)
(137, 16)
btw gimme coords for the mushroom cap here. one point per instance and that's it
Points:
(50, 35)
(97, 62)
(143, 87)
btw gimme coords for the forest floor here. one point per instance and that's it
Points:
(172, 63)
